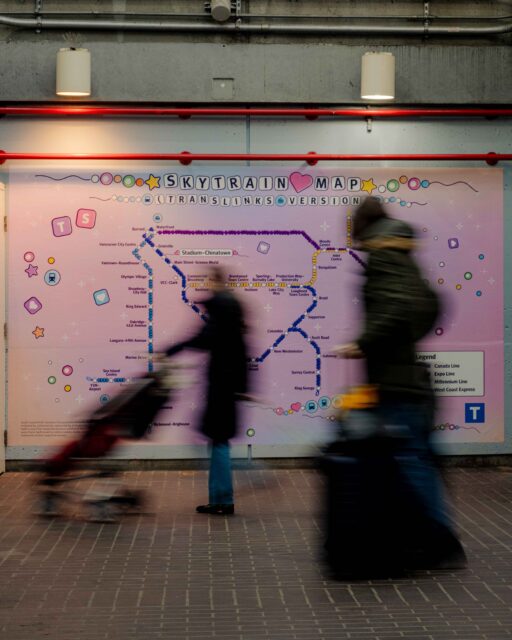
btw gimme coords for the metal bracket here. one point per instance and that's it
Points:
(490, 160)
(183, 161)
(426, 17)
(236, 7)
(369, 123)
(311, 161)
(38, 8)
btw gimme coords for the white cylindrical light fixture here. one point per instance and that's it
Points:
(73, 72)
(378, 76)
(221, 10)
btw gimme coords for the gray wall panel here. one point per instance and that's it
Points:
(153, 70)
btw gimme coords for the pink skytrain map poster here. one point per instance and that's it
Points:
(107, 267)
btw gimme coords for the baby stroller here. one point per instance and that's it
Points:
(128, 416)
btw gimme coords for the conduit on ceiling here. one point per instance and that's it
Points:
(310, 113)
(186, 157)
(382, 26)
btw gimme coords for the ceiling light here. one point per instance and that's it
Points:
(73, 72)
(378, 76)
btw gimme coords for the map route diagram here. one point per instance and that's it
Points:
(111, 267)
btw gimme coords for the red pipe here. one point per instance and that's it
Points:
(270, 157)
(89, 110)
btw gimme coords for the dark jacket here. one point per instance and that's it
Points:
(223, 337)
(394, 304)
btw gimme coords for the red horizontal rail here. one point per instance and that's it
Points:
(90, 110)
(186, 157)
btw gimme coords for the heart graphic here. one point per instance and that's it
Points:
(101, 297)
(300, 181)
(33, 305)
(296, 406)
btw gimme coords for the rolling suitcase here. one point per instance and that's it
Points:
(370, 516)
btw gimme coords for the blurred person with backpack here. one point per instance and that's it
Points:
(400, 308)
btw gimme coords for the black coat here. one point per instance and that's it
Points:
(394, 301)
(223, 337)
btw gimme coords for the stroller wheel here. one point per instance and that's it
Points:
(133, 498)
(102, 511)
(49, 504)
(130, 501)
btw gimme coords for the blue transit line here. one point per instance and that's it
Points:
(296, 329)
(279, 340)
(147, 239)
(315, 346)
(293, 328)
(108, 380)
(184, 297)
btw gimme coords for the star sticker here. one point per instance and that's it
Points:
(38, 332)
(31, 270)
(153, 182)
(368, 185)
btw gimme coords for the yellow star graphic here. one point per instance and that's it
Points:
(38, 332)
(368, 185)
(153, 182)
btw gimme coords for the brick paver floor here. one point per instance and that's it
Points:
(179, 575)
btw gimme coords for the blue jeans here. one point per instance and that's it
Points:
(414, 457)
(220, 483)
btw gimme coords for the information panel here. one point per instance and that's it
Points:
(107, 267)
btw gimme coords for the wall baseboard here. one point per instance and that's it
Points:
(241, 464)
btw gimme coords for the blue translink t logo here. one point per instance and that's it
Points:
(475, 412)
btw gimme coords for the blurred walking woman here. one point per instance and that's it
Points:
(223, 337)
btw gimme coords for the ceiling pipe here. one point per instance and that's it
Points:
(433, 27)
(312, 113)
(490, 157)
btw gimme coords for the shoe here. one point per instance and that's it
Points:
(217, 509)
